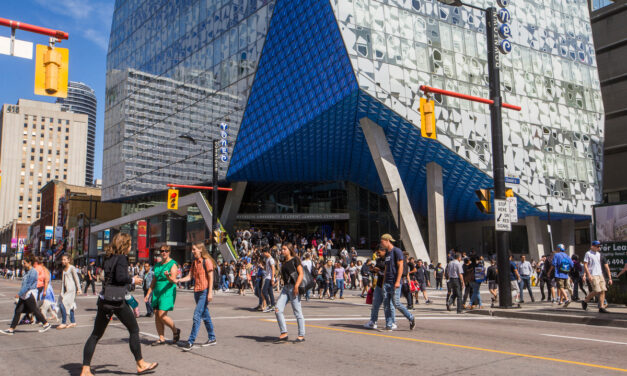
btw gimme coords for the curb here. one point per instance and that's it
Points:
(569, 319)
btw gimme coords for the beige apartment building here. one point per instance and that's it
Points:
(39, 142)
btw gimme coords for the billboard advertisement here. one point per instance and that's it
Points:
(142, 240)
(49, 232)
(611, 230)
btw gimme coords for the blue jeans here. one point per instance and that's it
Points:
(377, 300)
(340, 287)
(392, 296)
(201, 313)
(287, 295)
(475, 299)
(225, 282)
(525, 282)
(268, 292)
(64, 314)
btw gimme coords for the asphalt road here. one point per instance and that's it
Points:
(442, 343)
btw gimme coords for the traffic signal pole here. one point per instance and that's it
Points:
(498, 163)
(214, 201)
(33, 28)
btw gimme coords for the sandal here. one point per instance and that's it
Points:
(62, 326)
(151, 367)
(72, 325)
(158, 343)
(177, 336)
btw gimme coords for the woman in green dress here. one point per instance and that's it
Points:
(163, 290)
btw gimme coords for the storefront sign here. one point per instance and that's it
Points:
(611, 230)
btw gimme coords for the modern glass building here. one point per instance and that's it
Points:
(81, 99)
(294, 80)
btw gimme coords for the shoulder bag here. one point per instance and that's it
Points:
(113, 294)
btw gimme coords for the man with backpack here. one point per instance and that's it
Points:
(562, 265)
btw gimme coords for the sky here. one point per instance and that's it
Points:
(87, 22)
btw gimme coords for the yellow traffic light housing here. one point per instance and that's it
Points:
(217, 237)
(484, 204)
(427, 118)
(173, 199)
(51, 71)
(509, 192)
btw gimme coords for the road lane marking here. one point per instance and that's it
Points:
(529, 356)
(368, 318)
(585, 339)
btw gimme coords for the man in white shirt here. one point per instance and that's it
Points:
(269, 280)
(594, 272)
(525, 270)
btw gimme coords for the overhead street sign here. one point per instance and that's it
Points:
(21, 48)
(501, 216)
(510, 180)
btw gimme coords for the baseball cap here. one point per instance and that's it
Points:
(595, 243)
(561, 247)
(387, 237)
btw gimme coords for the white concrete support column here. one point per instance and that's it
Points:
(567, 235)
(391, 181)
(535, 238)
(232, 204)
(436, 217)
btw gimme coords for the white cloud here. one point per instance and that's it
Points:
(100, 38)
(76, 9)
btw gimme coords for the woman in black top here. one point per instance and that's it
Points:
(116, 271)
(292, 275)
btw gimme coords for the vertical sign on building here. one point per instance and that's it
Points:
(13, 243)
(49, 232)
(224, 143)
(4, 248)
(505, 32)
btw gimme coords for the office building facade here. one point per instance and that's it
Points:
(330, 94)
(81, 99)
(39, 142)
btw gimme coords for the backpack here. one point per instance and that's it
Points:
(564, 266)
(216, 274)
(479, 273)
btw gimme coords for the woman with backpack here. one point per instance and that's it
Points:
(111, 302)
(201, 271)
(292, 275)
(70, 286)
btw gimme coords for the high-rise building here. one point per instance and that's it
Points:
(323, 104)
(609, 28)
(39, 142)
(81, 99)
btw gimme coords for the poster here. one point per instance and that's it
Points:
(58, 233)
(611, 230)
(13, 243)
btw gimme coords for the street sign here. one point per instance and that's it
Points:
(501, 216)
(4, 248)
(513, 209)
(510, 180)
(21, 48)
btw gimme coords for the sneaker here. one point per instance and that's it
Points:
(394, 326)
(533, 300)
(188, 346)
(211, 342)
(522, 301)
(448, 306)
(584, 305)
(566, 303)
(370, 325)
(45, 328)
(268, 309)
(388, 329)
(428, 302)
(7, 332)
(412, 324)
(603, 310)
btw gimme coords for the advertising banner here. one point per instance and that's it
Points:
(13, 243)
(4, 248)
(49, 232)
(142, 240)
(611, 230)
(58, 233)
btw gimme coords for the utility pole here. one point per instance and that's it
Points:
(214, 201)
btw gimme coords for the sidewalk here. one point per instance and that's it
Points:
(573, 314)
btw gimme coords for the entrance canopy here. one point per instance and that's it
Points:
(195, 199)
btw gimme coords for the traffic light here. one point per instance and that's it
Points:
(484, 201)
(51, 71)
(427, 118)
(509, 192)
(217, 237)
(173, 199)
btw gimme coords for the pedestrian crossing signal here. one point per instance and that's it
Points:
(51, 71)
(483, 204)
(173, 199)
(217, 237)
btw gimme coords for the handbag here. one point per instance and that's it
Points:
(413, 286)
(113, 294)
(369, 296)
(306, 284)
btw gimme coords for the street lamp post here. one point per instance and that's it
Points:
(548, 212)
(498, 163)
